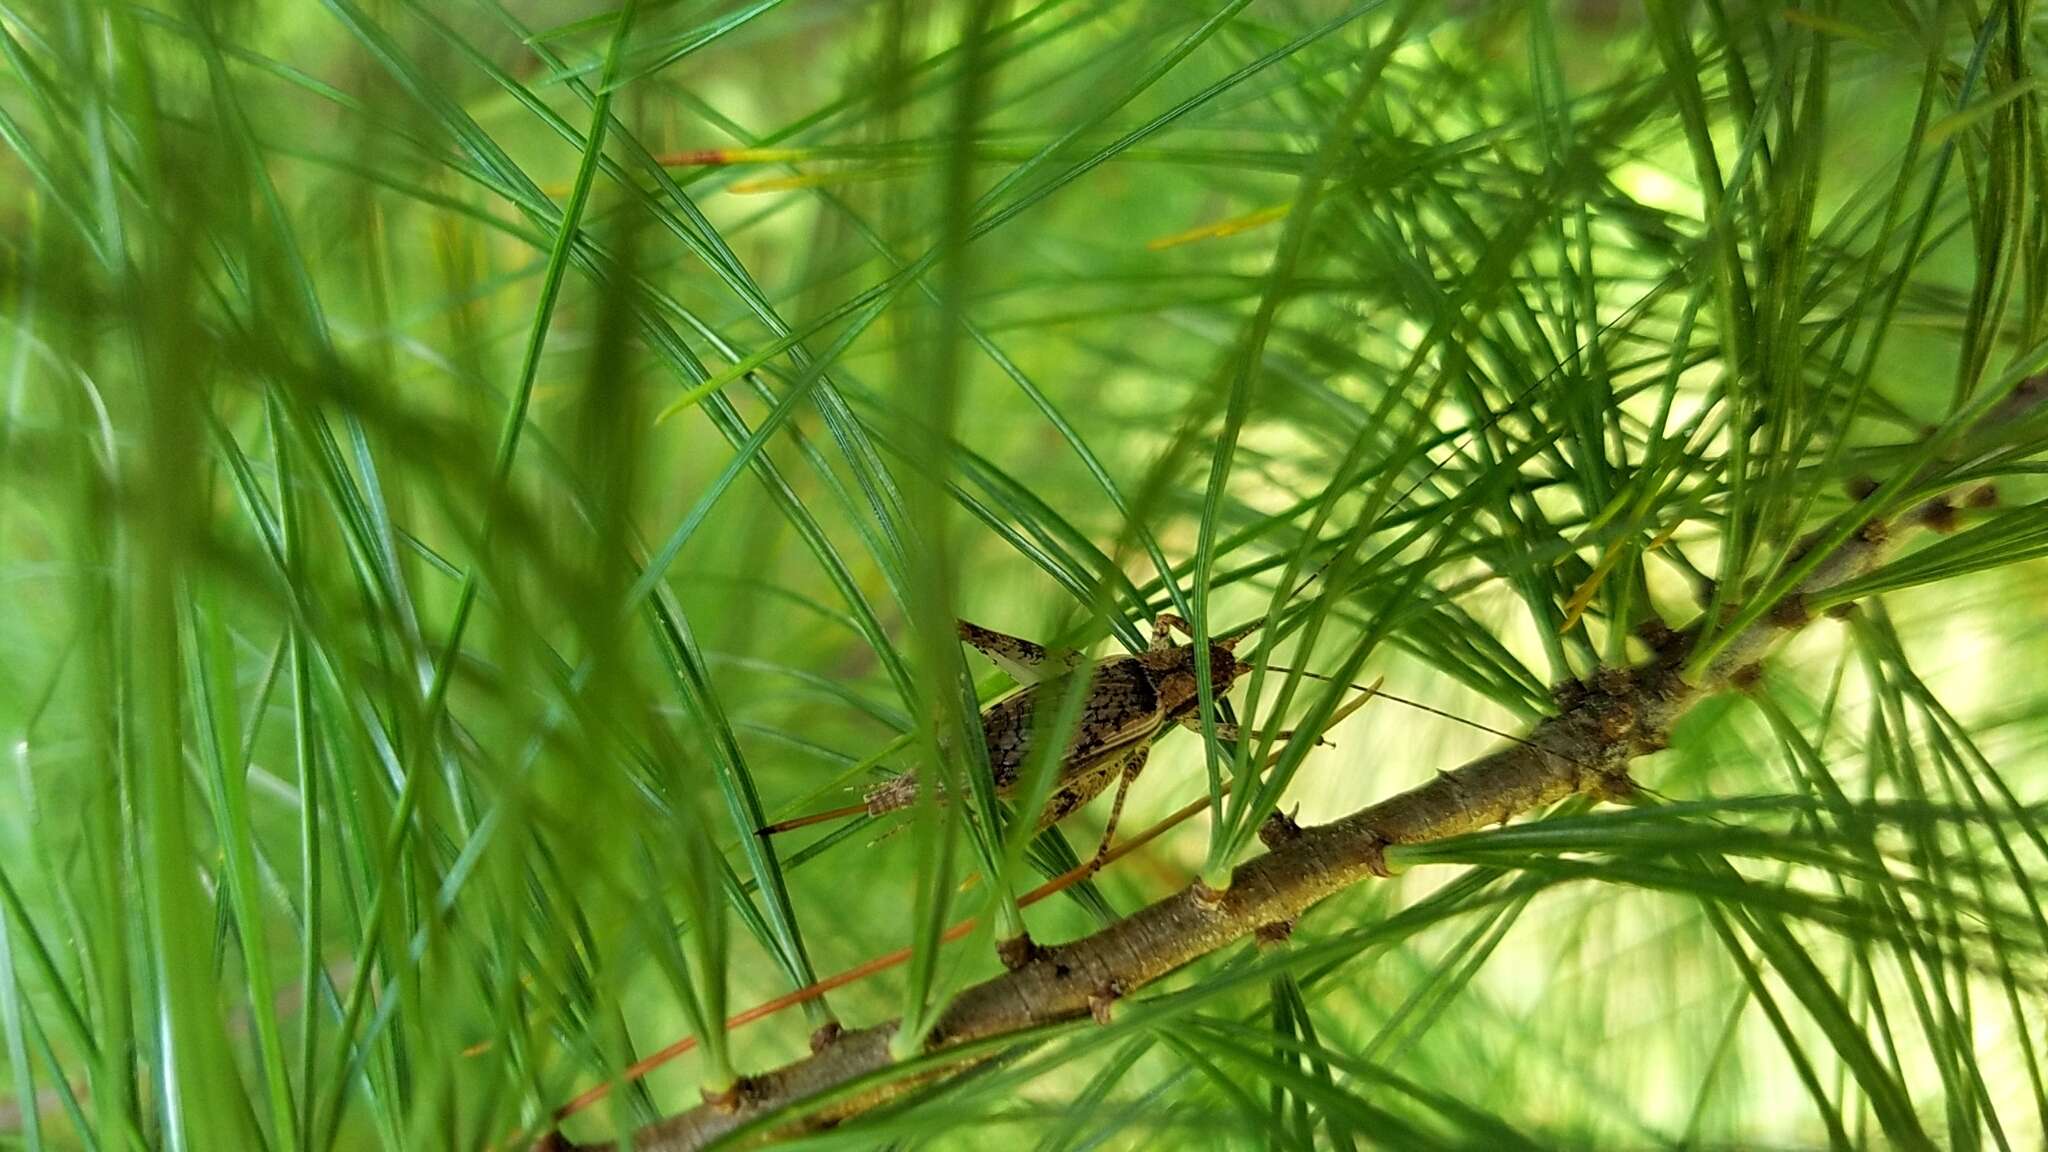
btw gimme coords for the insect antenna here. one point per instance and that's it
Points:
(1418, 705)
(824, 817)
(1229, 639)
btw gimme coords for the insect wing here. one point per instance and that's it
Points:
(1122, 709)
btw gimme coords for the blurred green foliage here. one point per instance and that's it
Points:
(466, 466)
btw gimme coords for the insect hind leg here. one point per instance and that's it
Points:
(1025, 662)
(1132, 766)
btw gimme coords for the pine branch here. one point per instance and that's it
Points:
(1586, 748)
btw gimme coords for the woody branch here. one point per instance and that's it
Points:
(1602, 724)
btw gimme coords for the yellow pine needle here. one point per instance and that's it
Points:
(781, 183)
(1221, 228)
(697, 394)
(813, 180)
(1829, 26)
(1583, 595)
(711, 158)
(720, 157)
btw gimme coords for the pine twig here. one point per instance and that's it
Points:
(1586, 748)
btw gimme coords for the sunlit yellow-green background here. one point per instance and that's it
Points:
(361, 797)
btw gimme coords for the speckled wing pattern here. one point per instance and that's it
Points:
(1122, 708)
(1121, 713)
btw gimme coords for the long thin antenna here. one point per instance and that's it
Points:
(824, 817)
(1415, 704)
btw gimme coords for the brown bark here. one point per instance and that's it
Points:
(1600, 727)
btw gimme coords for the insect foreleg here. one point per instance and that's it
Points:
(1164, 626)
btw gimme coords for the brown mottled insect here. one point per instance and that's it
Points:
(1131, 700)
